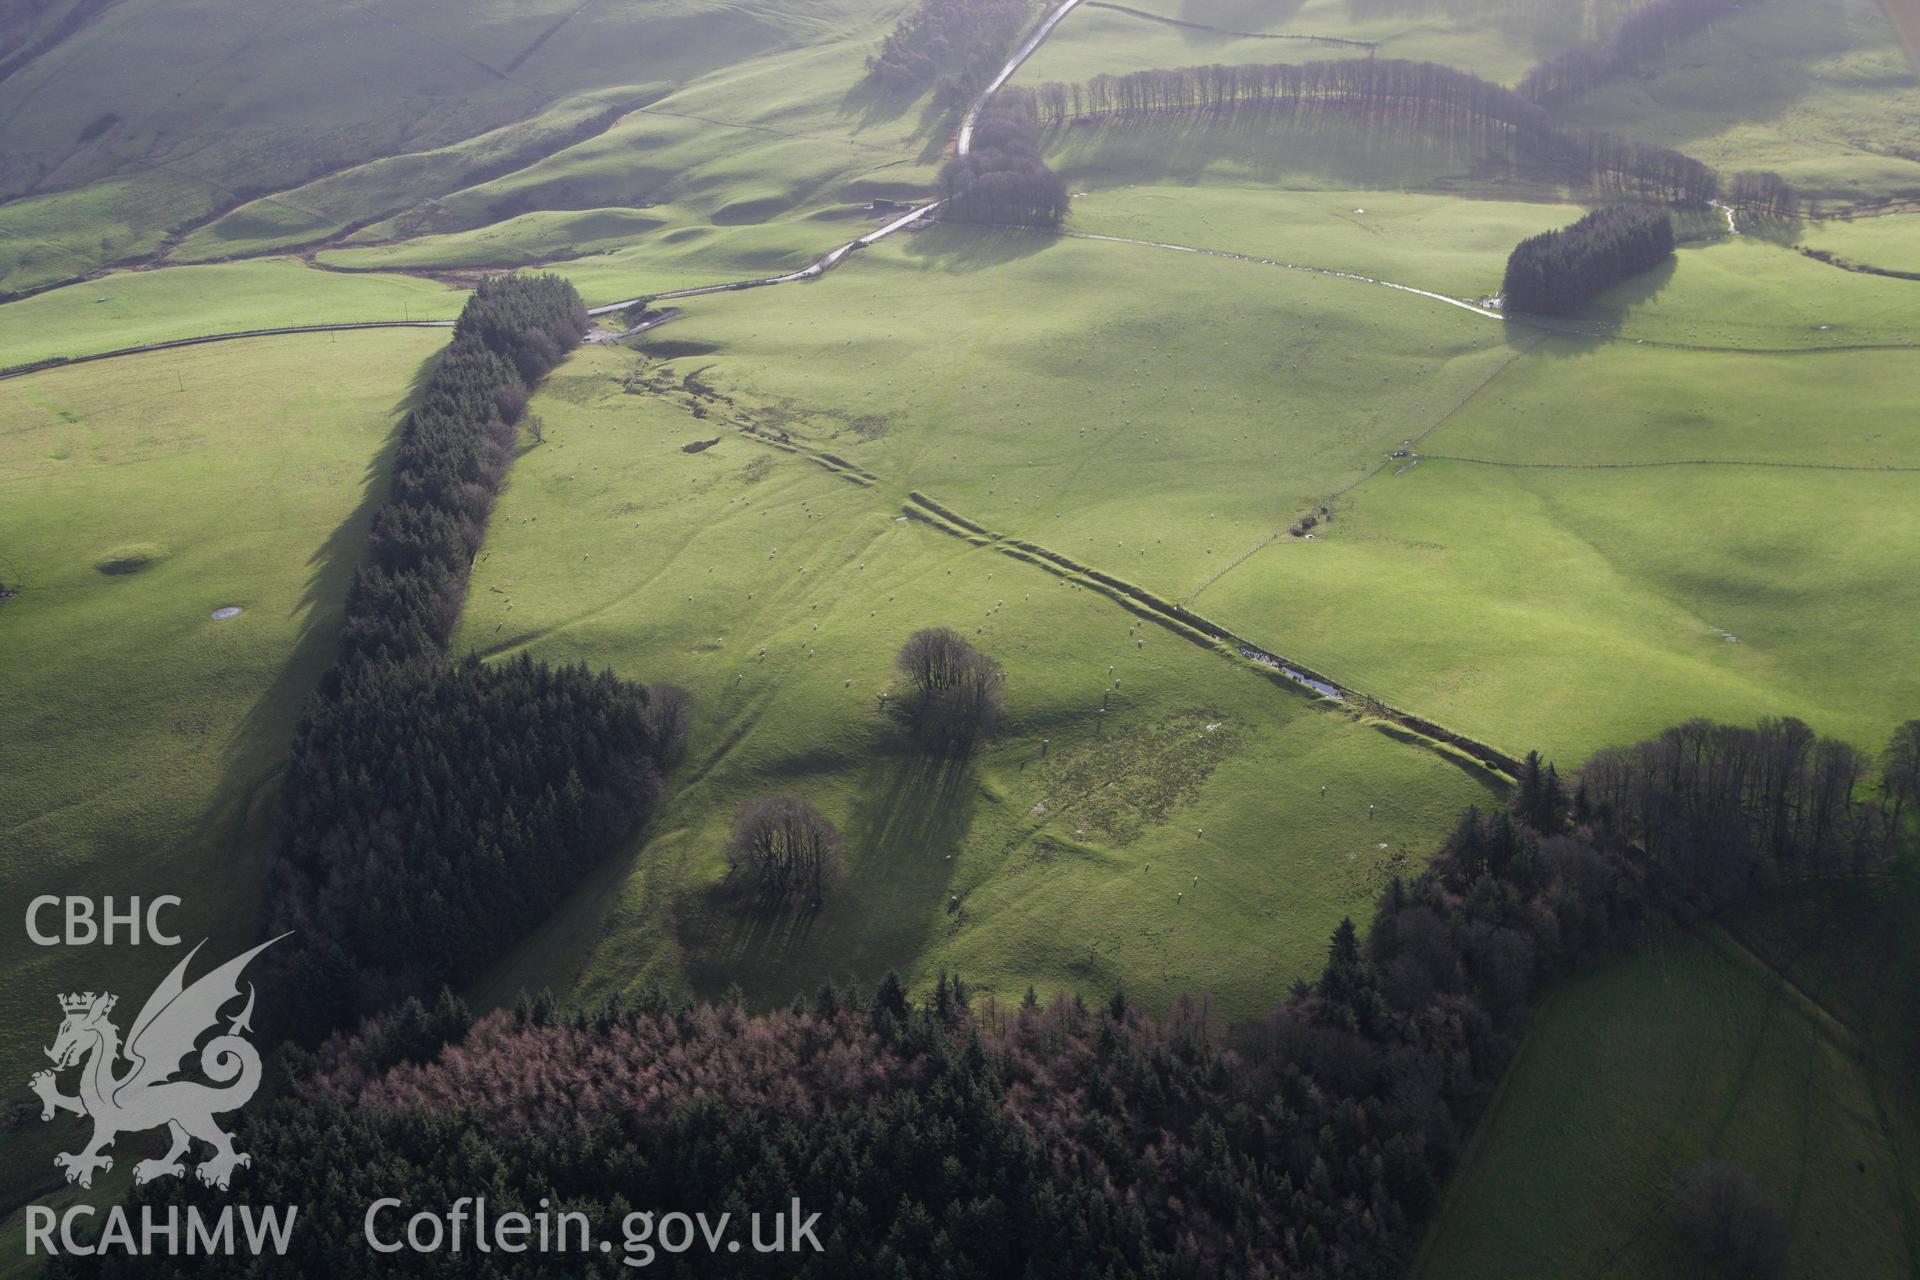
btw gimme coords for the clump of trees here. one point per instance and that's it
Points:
(955, 693)
(1722, 802)
(1643, 35)
(1558, 272)
(953, 1135)
(1003, 179)
(1731, 1221)
(401, 870)
(785, 848)
(954, 47)
(1764, 191)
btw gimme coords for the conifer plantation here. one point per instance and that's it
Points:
(1559, 272)
(435, 809)
(964, 1135)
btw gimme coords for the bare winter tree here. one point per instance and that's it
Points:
(1731, 1220)
(1901, 769)
(955, 692)
(783, 845)
(669, 719)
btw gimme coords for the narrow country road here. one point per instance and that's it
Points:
(962, 144)
(812, 271)
(963, 141)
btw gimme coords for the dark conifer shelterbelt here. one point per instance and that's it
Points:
(1558, 272)
(434, 811)
(958, 1136)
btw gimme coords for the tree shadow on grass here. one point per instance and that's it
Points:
(1265, 144)
(892, 898)
(870, 102)
(963, 247)
(1604, 318)
(258, 745)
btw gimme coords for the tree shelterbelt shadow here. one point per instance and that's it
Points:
(962, 246)
(893, 896)
(1604, 319)
(265, 733)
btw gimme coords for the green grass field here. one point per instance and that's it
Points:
(48, 238)
(1695, 1048)
(1522, 602)
(966, 363)
(1028, 864)
(143, 736)
(128, 308)
(1573, 560)
(1436, 242)
(1889, 243)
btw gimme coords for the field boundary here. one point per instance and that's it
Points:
(1209, 634)
(59, 362)
(1896, 468)
(1222, 31)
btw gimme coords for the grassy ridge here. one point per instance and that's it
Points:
(128, 308)
(1492, 39)
(335, 114)
(1823, 93)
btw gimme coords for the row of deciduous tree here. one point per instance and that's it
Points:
(958, 1136)
(1421, 91)
(433, 811)
(1642, 35)
(1724, 799)
(1002, 178)
(1557, 272)
(954, 47)
(1391, 92)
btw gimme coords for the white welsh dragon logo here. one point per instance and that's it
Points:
(146, 1096)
